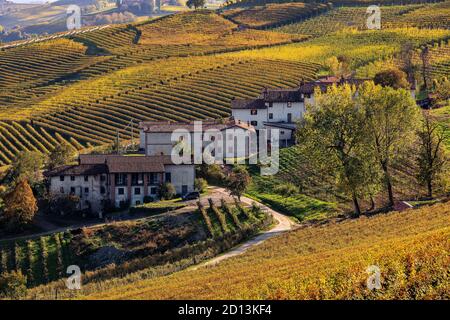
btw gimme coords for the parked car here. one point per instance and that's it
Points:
(191, 196)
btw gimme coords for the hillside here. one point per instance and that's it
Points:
(321, 262)
(128, 66)
(85, 88)
(166, 238)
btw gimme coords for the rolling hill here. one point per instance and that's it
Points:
(86, 87)
(327, 261)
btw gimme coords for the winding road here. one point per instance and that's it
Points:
(284, 224)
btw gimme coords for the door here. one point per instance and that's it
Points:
(184, 189)
(289, 117)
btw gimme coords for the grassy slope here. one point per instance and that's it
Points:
(323, 262)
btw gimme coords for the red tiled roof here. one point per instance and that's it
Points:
(168, 126)
(78, 170)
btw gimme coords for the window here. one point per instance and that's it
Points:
(137, 202)
(86, 178)
(137, 178)
(289, 104)
(289, 117)
(254, 123)
(281, 132)
(137, 191)
(72, 190)
(270, 104)
(102, 190)
(61, 178)
(72, 178)
(152, 178)
(86, 190)
(181, 138)
(254, 112)
(270, 115)
(121, 179)
(153, 190)
(61, 189)
(121, 191)
(168, 177)
(102, 177)
(184, 189)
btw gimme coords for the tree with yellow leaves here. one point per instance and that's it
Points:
(20, 206)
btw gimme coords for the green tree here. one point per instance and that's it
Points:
(393, 78)
(167, 191)
(27, 166)
(195, 3)
(391, 117)
(238, 181)
(333, 132)
(200, 184)
(20, 206)
(442, 91)
(431, 157)
(13, 285)
(60, 155)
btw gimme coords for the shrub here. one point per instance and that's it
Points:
(287, 189)
(13, 285)
(200, 184)
(148, 199)
(167, 191)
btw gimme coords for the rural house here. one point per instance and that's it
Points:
(156, 136)
(281, 108)
(122, 180)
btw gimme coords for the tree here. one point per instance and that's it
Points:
(442, 91)
(393, 78)
(333, 133)
(391, 116)
(20, 206)
(431, 156)
(195, 3)
(407, 58)
(13, 285)
(238, 181)
(60, 155)
(425, 57)
(167, 191)
(200, 184)
(27, 166)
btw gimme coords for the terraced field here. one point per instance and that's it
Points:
(87, 87)
(271, 15)
(107, 77)
(321, 262)
(421, 16)
(42, 259)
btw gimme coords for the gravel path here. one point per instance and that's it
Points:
(284, 224)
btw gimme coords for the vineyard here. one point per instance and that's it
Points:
(42, 259)
(271, 15)
(46, 258)
(321, 262)
(84, 88)
(420, 16)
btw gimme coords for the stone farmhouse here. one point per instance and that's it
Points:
(123, 180)
(282, 108)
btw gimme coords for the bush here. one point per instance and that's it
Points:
(167, 191)
(200, 184)
(287, 189)
(13, 285)
(148, 199)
